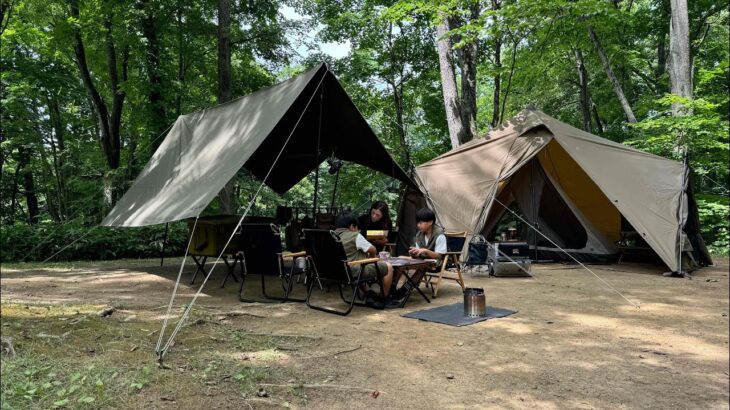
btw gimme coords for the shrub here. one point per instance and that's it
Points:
(714, 211)
(20, 242)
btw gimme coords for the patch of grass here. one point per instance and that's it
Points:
(44, 382)
(68, 357)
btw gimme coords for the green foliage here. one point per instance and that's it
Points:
(714, 213)
(27, 383)
(23, 243)
(703, 132)
(49, 134)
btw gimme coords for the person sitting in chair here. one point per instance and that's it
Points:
(430, 243)
(377, 219)
(430, 239)
(358, 248)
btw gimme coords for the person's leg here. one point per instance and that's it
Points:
(396, 276)
(387, 281)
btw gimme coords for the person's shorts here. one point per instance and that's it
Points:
(371, 271)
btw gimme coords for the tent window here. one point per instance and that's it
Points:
(556, 213)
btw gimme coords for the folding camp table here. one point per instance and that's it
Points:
(404, 264)
(200, 263)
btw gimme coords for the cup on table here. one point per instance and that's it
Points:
(384, 255)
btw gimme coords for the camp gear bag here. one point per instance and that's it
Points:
(477, 254)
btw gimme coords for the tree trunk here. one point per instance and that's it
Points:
(448, 83)
(31, 200)
(158, 116)
(496, 119)
(679, 64)
(6, 7)
(58, 150)
(226, 195)
(180, 60)
(115, 119)
(468, 59)
(398, 101)
(109, 123)
(14, 193)
(47, 173)
(611, 76)
(509, 79)
(585, 107)
(224, 51)
(661, 58)
(597, 118)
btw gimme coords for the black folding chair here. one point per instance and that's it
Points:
(329, 263)
(263, 255)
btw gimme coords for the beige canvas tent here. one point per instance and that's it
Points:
(577, 189)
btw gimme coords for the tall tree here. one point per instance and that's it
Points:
(468, 53)
(109, 120)
(452, 103)
(680, 65)
(31, 199)
(227, 195)
(617, 88)
(150, 16)
(585, 105)
(496, 116)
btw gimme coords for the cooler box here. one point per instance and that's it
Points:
(212, 233)
(516, 261)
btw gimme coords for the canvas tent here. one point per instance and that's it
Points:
(574, 187)
(280, 134)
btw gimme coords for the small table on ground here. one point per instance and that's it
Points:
(403, 264)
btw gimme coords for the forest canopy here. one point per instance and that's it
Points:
(89, 88)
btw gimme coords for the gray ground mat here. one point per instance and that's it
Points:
(453, 315)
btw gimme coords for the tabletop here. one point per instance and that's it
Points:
(406, 262)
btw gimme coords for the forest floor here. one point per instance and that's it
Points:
(574, 343)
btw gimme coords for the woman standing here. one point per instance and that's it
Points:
(378, 219)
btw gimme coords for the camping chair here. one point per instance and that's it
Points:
(392, 243)
(450, 268)
(263, 255)
(329, 262)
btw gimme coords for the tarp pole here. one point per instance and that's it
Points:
(164, 242)
(316, 160)
(334, 190)
(316, 193)
(680, 227)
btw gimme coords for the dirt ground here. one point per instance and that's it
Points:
(574, 343)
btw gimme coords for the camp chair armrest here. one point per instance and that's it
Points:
(363, 261)
(451, 253)
(293, 254)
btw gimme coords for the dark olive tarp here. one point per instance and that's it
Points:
(205, 149)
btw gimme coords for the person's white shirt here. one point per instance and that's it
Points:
(440, 247)
(362, 243)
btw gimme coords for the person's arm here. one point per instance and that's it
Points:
(382, 241)
(365, 246)
(439, 249)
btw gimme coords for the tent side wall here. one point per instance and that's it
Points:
(645, 189)
(582, 191)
